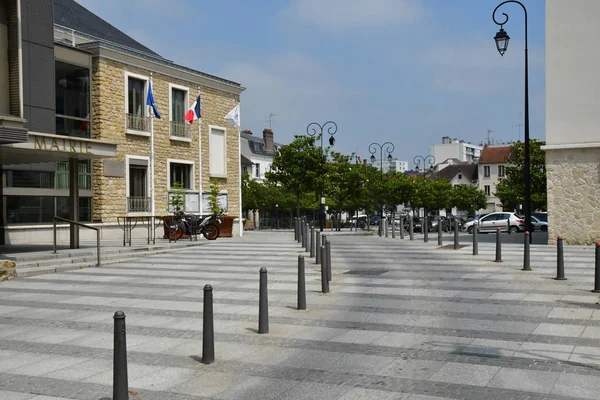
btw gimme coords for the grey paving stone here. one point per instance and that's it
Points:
(371, 394)
(257, 388)
(570, 313)
(330, 361)
(559, 330)
(586, 355)
(592, 332)
(571, 385)
(164, 379)
(210, 384)
(5, 395)
(82, 371)
(466, 374)
(513, 327)
(545, 351)
(518, 379)
(359, 336)
(412, 368)
(47, 365)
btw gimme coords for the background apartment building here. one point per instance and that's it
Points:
(455, 149)
(393, 165)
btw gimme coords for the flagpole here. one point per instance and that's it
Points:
(240, 171)
(200, 158)
(152, 192)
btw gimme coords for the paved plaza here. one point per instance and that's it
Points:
(404, 320)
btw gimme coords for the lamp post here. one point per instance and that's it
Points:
(389, 149)
(427, 160)
(501, 40)
(313, 129)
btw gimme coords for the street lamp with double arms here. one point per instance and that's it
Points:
(389, 149)
(501, 40)
(314, 129)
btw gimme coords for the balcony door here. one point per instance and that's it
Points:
(138, 197)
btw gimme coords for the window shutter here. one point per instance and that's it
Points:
(13, 60)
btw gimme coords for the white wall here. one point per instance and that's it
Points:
(492, 180)
(265, 165)
(572, 72)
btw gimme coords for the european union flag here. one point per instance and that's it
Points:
(150, 101)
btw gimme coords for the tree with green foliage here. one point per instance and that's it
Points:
(177, 197)
(300, 168)
(344, 183)
(510, 188)
(467, 198)
(214, 191)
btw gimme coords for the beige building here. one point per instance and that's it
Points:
(99, 99)
(572, 120)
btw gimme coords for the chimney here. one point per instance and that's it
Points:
(268, 138)
(247, 131)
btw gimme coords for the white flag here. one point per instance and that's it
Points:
(234, 116)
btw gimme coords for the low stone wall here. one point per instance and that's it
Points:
(573, 177)
(8, 270)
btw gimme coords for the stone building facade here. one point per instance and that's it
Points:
(572, 121)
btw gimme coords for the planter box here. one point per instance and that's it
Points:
(226, 227)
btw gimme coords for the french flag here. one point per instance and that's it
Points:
(194, 112)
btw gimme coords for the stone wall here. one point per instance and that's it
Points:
(108, 123)
(574, 195)
(8, 270)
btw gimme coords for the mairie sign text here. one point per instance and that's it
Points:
(64, 145)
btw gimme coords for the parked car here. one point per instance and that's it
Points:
(506, 221)
(539, 225)
(542, 216)
(417, 224)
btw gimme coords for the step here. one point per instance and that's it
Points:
(70, 264)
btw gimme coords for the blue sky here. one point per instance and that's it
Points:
(404, 71)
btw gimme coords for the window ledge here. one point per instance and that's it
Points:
(218, 175)
(138, 133)
(181, 139)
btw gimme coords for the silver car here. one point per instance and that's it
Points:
(506, 221)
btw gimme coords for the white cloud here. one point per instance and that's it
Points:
(349, 14)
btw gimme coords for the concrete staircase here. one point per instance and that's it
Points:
(46, 262)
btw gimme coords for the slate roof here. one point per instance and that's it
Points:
(494, 154)
(257, 145)
(469, 171)
(72, 15)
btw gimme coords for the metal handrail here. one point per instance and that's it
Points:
(55, 218)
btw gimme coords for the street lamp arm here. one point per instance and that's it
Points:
(506, 16)
(331, 127)
(389, 147)
(373, 148)
(313, 129)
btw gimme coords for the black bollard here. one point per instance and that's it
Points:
(526, 254)
(393, 228)
(411, 228)
(120, 382)
(328, 249)
(475, 240)
(324, 281)
(560, 260)
(301, 284)
(208, 331)
(456, 241)
(307, 239)
(318, 248)
(312, 242)
(440, 240)
(295, 228)
(597, 278)
(401, 227)
(385, 227)
(425, 229)
(263, 303)
(498, 246)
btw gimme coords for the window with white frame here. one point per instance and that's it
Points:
(487, 189)
(257, 169)
(486, 171)
(182, 173)
(135, 107)
(218, 152)
(138, 193)
(501, 171)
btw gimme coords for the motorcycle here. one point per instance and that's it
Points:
(192, 224)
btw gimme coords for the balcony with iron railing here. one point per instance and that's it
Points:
(138, 123)
(180, 131)
(138, 204)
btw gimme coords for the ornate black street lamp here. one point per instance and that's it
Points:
(502, 39)
(389, 149)
(427, 160)
(313, 129)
